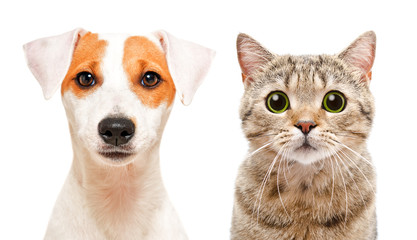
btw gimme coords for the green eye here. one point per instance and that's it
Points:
(334, 102)
(277, 102)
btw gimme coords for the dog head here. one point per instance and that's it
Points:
(117, 90)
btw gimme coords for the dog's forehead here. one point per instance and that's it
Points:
(118, 62)
(120, 37)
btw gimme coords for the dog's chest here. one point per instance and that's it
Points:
(117, 200)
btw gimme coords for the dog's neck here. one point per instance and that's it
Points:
(116, 196)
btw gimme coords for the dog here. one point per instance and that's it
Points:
(118, 92)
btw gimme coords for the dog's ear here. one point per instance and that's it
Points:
(49, 59)
(188, 63)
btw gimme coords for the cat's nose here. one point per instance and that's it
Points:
(305, 126)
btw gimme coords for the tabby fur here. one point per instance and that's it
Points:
(325, 193)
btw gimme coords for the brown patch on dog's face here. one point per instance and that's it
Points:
(142, 56)
(87, 58)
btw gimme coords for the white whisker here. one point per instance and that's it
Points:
(331, 162)
(351, 176)
(260, 149)
(354, 152)
(263, 184)
(360, 170)
(265, 180)
(286, 153)
(279, 192)
(344, 184)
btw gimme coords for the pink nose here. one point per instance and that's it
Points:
(305, 126)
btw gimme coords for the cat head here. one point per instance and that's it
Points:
(307, 108)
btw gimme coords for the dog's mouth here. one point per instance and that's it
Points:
(116, 153)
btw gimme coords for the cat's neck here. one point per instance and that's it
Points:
(346, 171)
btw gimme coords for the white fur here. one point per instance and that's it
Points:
(151, 216)
(42, 52)
(103, 198)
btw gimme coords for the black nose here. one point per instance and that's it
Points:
(116, 131)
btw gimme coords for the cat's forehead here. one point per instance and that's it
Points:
(307, 69)
(306, 74)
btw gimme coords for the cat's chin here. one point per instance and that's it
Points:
(306, 155)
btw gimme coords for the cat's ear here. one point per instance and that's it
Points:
(361, 54)
(251, 55)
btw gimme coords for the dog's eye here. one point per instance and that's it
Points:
(150, 79)
(85, 79)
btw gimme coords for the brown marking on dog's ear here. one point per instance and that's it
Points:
(87, 57)
(140, 56)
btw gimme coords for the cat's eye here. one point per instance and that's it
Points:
(277, 102)
(85, 79)
(150, 79)
(334, 102)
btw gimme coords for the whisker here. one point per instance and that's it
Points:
(263, 184)
(352, 177)
(349, 136)
(262, 135)
(260, 149)
(279, 192)
(286, 161)
(265, 180)
(353, 162)
(344, 184)
(350, 132)
(328, 153)
(260, 194)
(360, 170)
(357, 154)
(331, 197)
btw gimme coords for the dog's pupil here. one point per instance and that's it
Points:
(150, 78)
(87, 79)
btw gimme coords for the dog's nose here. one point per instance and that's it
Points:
(116, 131)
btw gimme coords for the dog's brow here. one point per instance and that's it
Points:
(87, 57)
(142, 55)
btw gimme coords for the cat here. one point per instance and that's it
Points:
(308, 174)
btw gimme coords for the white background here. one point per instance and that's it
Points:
(203, 144)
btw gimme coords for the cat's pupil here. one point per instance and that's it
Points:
(334, 102)
(277, 102)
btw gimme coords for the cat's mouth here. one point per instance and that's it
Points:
(305, 147)
(306, 153)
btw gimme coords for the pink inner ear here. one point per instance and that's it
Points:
(250, 61)
(362, 58)
(49, 59)
(251, 55)
(361, 53)
(188, 64)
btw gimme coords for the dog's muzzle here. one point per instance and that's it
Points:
(116, 131)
